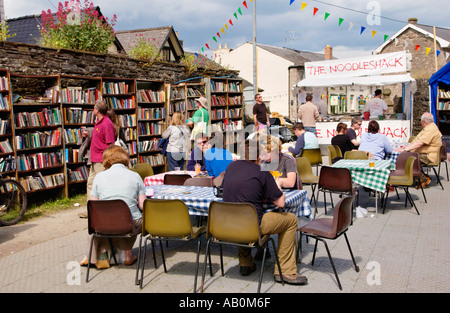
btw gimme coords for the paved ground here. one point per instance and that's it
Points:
(397, 252)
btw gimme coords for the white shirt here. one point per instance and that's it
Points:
(376, 106)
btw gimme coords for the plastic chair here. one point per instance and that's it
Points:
(443, 156)
(400, 169)
(331, 228)
(334, 152)
(433, 167)
(199, 181)
(356, 155)
(176, 179)
(166, 220)
(314, 156)
(236, 224)
(143, 169)
(108, 219)
(335, 180)
(404, 181)
(306, 176)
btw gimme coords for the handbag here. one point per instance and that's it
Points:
(163, 145)
(199, 127)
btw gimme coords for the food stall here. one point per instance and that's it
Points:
(346, 84)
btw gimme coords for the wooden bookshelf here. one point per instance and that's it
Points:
(7, 150)
(443, 109)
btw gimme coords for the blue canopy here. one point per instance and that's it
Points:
(440, 77)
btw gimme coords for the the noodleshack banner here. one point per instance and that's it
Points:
(386, 63)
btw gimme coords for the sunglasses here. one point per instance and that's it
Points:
(202, 142)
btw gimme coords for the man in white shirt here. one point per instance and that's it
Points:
(376, 106)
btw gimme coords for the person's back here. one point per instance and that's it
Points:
(308, 113)
(217, 161)
(311, 141)
(343, 142)
(377, 144)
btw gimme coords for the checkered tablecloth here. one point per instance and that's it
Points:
(393, 158)
(197, 199)
(371, 177)
(158, 179)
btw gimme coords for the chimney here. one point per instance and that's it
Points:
(328, 52)
(413, 20)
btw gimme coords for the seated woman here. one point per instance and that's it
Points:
(118, 182)
(375, 143)
(217, 158)
(342, 140)
(305, 140)
(274, 160)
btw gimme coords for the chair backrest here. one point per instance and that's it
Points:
(409, 170)
(342, 217)
(332, 153)
(199, 181)
(143, 169)
(356, 155)
(338, 151)
(443, 151)
(166, 218)
(313, 155)
(304, 169)
(233, 222)
(335, 179)
(176, 179)
(401, 163)
(109, 217)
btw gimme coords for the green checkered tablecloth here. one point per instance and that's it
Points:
(371, 177)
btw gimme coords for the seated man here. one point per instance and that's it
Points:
(342, 140)
(305, 140)
(351, 132)
(245, 182)
(428, 143)
(218, 157)
(274, 160)
(198, 154)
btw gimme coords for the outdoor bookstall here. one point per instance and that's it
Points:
(350, 82)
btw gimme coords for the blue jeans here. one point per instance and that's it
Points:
(311, 130)
(175, 159)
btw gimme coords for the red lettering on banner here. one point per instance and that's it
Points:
(319, 133)
(397, 60)
(403, 135)
(331, 133)
(389, 132)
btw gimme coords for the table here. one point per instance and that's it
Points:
(197, 199)
(158, 179)
(374, 178)
(393, 158)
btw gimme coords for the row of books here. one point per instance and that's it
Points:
(4, 103)
(73, 156)
(5, 127)
(7, 166)
(132, 147)
(117, 103)
(150, 96)
(127, 120)
(150, 145)
(72, 135)
(130, 134)
(78, 116)
(234, 87)
(192, 92)
(78, 95)
(234, 113)
(444, 93)
(115, 88)
(5, 147)
(78, 174)
(4, 83)
(39, 160)
(217, 86)
(149, 114)
(444, 105)
(51, 95)
(235, 100)
(151, 129)
(39, 182)
(177, 93)
(153, 160)
(177, 107)
(218, 114)
(38, 139)
(191, 105)
(47, 117)
(215, 100)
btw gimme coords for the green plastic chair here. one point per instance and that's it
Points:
(356, 155)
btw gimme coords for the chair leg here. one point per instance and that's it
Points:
(411, 200)
(205, 263)
(277, 260)
(385, 199)
(332, 263)
(221, 260)
(199, 243)
(262, 268)
(351, 253)
(154, 253)
(314, 254)
(89, 258)
(143, 261)
(136, 281)
(112, 251)
(437, 177)
(162, 254)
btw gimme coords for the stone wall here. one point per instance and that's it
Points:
(421, 104)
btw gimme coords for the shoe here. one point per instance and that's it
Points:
(82, 215)
(247, 270)
(293, 279)
(260, 253)
(85, 262)
(101, 264)
(426, 183)
(131, 262)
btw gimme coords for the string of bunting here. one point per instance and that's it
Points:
(226, 26)
(362, 29)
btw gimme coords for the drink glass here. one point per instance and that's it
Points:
(371, 162)
(198, 168)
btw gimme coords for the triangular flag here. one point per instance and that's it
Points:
(303, 5)
(417, 47)
(245, 4)
(235, 15)
(351, 25)
(218, 34)
(226, 26)
(207, 45)
(240, 12)
(428, 50)
(215, 38)
(373, 33)
(362, 29)
(386, 37)
(292, 1)
(196, 54)
(340, 21)
(222, 31)
(230, 22)
(203, 50)
(326, 15)
(438, 52)
(396, 41)
(315, 11)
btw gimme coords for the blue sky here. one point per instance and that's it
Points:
(279, 23)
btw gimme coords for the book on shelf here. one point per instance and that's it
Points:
(116, 103)
(150, 96)
(4, 83)
(127, 120)
(151, 114)
(78, 174)
(4, 103)
(39, 160)
(115, 88)
(153, 160)
(151, 128)
(149, 145)
(444, 93)
(51, 94)
(38, 139)
(79, 95)
(7, 165)
(217, 86)
(5, 147)
(444, 105)
(234, 87)
(47, 117)
(5, 127)
(218, 100)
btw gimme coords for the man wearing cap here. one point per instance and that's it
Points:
(200, 119)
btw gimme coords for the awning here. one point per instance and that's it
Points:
(378, 80)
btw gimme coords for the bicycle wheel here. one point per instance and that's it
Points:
(13, 202)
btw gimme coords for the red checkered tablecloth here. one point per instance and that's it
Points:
(158, 179)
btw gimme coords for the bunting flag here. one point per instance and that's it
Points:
(362, 30)
(437, 53)
(303, 5)
(326, 16)
(240, 12)
(214, 37)
(351, 25)
(235, 15)
(427, 50)
(340, 21)
(245, 4)
(417, 47)
(218, 34)
(386, 37)
(373, 33)
(226, 26)
(230, 22)
(292, 1)
(206, 45)
(315, 11)
(222, 31)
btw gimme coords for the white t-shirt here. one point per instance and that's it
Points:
(376, 106)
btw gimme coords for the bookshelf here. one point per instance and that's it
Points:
(443, 109)
(151, 121)
(38, 132)
(178, 101)
(7, 168)
(120, 95)
(77, 96)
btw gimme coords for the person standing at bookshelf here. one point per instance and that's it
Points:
(103, 136)
(200, 120)
(260, 115)
(177, 133)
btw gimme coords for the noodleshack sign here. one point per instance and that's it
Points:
(387, 63)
